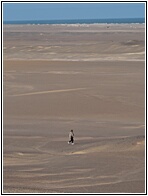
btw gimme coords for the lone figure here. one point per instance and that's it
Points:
(71, 137)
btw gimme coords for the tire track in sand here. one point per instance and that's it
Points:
(51, 91)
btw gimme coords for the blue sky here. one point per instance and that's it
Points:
(52, 11)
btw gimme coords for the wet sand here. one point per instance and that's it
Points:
(89, 78)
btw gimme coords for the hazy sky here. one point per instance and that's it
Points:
(51, 11)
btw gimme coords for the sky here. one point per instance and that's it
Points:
(53, 11)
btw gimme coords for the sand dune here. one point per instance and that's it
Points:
(94, 43)
(89, 78)
(74, 175)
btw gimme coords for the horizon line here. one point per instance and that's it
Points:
(74, 19)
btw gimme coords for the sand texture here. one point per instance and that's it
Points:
(89, 78)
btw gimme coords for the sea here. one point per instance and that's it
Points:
(80, 21)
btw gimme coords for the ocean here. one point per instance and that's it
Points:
(81, 21)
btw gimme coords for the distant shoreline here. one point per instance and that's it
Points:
(80, 21)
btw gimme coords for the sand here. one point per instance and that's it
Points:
(89, 78)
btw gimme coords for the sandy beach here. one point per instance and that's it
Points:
(89, 78)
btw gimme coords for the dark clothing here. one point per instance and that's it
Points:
(71, 139)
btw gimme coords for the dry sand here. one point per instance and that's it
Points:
(89, 78)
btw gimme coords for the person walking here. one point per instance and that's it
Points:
(71, 137)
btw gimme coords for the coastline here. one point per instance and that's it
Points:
(81, 21)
